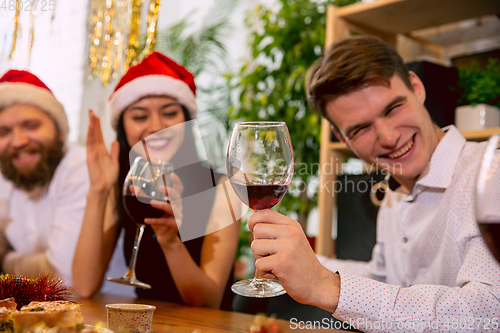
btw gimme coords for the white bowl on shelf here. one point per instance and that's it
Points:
(477, 117)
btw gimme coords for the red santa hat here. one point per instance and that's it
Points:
(156, 75)
(22, 87)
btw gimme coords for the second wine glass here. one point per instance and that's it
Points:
(260, 165)
(487, 196)
(146, 181)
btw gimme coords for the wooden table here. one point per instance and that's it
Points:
(170, 317)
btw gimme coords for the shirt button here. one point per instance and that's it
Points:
(405, 240)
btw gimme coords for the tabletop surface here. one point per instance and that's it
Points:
(170, 317)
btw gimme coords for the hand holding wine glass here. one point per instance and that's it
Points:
(145, 182)
(487, 196)
(167, 226)
(260, 165)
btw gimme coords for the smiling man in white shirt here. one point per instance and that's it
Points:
(43, 181)
(430, 269)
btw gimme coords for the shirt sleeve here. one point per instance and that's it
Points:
(4, 220)
(472, 306)
(373, 269)
(30, 265)
(70, 203)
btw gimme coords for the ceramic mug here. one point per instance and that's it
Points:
(130, 318)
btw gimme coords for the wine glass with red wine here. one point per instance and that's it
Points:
(487, 200)
(260, 165)
(146, 181)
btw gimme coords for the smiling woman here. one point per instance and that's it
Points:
(144, 120)
(154, 103)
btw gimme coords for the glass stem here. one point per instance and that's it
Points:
(259, 283)
(138, 237)
(257, 280)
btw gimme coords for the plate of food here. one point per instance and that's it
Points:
(37, 306)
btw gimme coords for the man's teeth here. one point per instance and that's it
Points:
(402, 151)
(23, 154)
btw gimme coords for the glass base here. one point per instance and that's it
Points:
(130, 282)
(258, 288)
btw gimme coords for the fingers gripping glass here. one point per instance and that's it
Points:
(146, 181)
(260, 164)
(487, 196)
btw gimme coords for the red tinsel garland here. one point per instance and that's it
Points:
(25, 290)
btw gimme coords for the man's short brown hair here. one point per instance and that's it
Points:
(351, 64)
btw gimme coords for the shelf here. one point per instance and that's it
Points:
(478, 135)
(341, 148)
(404, 16)
(481, 135)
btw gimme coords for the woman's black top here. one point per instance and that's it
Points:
(151, 265)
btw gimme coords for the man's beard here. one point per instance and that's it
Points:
(41, 174)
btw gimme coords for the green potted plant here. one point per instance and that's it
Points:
(480, 96)
(285, 39)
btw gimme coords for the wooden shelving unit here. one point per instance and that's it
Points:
(386, 19)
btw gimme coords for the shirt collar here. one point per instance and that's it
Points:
(443, 161)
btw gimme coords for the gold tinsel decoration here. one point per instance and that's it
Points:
(31, 36)
(134, 39)
(154, 7)
(34, 9)
(115, 36)
(16, 28)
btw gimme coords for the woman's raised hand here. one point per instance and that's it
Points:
(103, 166)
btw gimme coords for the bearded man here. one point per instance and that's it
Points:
(43, 181)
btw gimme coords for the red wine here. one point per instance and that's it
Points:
(259, 197)
(139, 210)
(491, 236)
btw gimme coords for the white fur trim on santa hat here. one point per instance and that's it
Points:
(150, 85)
(24, 93)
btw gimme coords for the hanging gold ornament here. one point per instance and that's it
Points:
(134, 42)
(34, 8)
(14, 37)
(123, 8)
(108, 52)
(154, 8)
(53, 16)
(31, 35)
(95, 36)
(115, 36)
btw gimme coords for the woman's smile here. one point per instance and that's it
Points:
(157, 143)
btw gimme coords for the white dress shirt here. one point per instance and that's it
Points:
(430, 269)
(47, 229)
